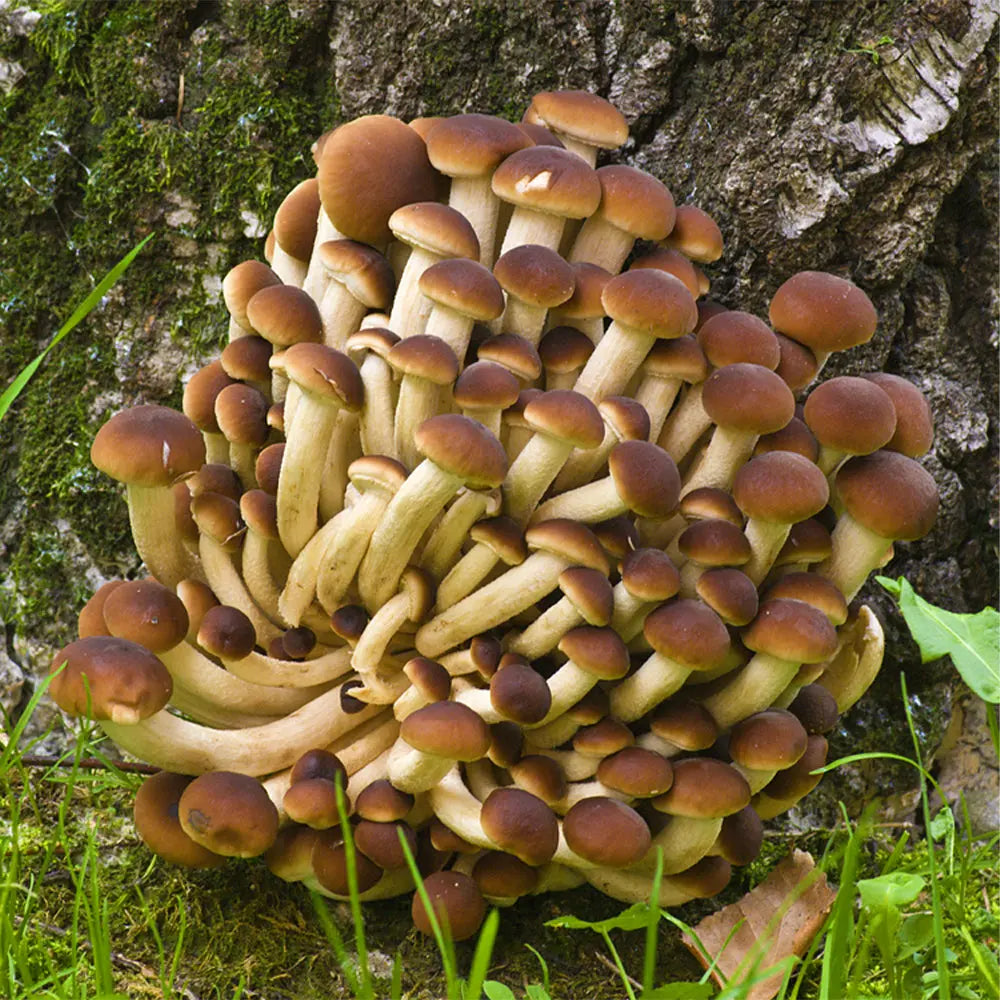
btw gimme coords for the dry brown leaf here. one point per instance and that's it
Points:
(777, 919)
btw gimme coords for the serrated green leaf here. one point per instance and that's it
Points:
(632, 919)
(972, 641)
(890, 891)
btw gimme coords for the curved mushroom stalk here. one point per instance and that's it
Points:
(706, 878)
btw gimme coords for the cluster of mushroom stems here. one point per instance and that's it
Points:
(488, 512)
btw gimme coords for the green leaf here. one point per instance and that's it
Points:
(79, 314)
(972, 641)
(632, 919)
(889, 892)
(915, 934)
(536, 992)
(497, 991)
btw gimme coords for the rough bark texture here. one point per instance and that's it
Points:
(857, 138)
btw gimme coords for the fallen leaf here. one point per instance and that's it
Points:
(767, 927)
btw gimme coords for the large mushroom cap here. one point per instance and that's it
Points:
(457, 903)
(823, 311)
(464, 448)
(636, 202)
(155, 813)
(748, 397)
(548, 179)
(606, 832)
(652, 301)
(472, 145)
(146, 612)
(646, 478)
(367, 169)
(566, 415)
(148, 446)
(580, 115)
(325, 373)
(850, 414)
(793, 631)
(447, 729)
(109, 678)
(690, 633)
(521, 824)
(780, 486)
(229, 813)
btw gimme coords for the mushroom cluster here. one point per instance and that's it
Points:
(489, 513)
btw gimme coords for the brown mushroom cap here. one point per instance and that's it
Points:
(246, 359)
(457, 903)
(635, 202)
(109, 678)
(704, 788)
(504, 536)
(650, 301)
(768, 741)
(540, 775)
(599, 651)
(696, 234)
(240, 285)
(851, 415)
(521, 824)
(379, 842)
(226, 632)
(649, 575)
(822, 311)
(687, 724)
(813, 589)
(636, 772)
(485, 385)
(435, 227)
(517, 355)
(463, 448)
(793, 631)
(890, 494)
(798, 365)
(680, 358)
(645, 477)
(536, 275)
(591, 593)
(229, 813)
(580, 115)
(502, 876)
(148, 446)
(569, 538)
(741, 836)
(690, 633)
(914, 433)
(585, 302)
(367, 169)
(675, 263)
(749, 398)
(566, 415)
(365, 273)
(795, 436)
(735, 337)
(808, 542)
(202, 388)
(155, 816)
(548, 179)
(464, 286)
(285, 315)
(714, 542)
(90, 621)
(295, 220)
(447, 729)
(313, 803)
(381, 802)
(816, 708)
(710, 503)
(606, 832)
(730, 593)
(472, 145)
(599, 737)
(424, 357)
(780, 487)
(329, 864)
(519, 694)
(148, 613)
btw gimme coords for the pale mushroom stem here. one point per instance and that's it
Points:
(657, 679)
(151, 515)
(474, 198)
(410, 307)
(615, 360)
(376, 428)
(601, 243)
(442, 548)
(527, 226)
(856, 552)
(751, 689)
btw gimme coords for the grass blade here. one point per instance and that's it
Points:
(482, 955)
(79, 314)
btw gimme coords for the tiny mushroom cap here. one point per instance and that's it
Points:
(649, 575)
(780, 487)
(714, 542)
(247, 359)
(519, 694)
(365, 272)
(109, 678)
(690, 633)
(710, 503)
(379, 842)
(156, 822)
(579, 115)
(542, 776)
(517, 355)
(748, 397)
(823, 311)
(606, 832)
(591, 593)
(651, 302)
(550, 180)
(536, 275)
(813, 589)
(330, 865)
(485, 385)
(704, 788)
(504, 536)
(457, 903)
(148, 613)
(733, 336)
(889, 494)
(295, 220)
(768, 741)
(741, 836)
(602, 737)
(202, 388)
(435, 227)
(816, 708)
(696, 234)
(792, 631)
(730, 593)
(90, 621)
(675, 263)
(241, 284)
(521, 824)
(914, 433)
(794, 436)
(229, 813)
(463, 448)
(808, 542)
(285, 315)
(447, 729)
(502, 876)
(599, 651)
(227, 632)
(685, 723)
(798, 365)
(645, 477)
(380, 802)
(367, 169)
(148, 446)
(312, 802)
(636, 772)
(472, 145)
(268, 467)
(424, 357)
(851, 415)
